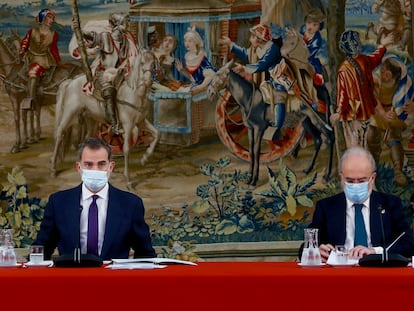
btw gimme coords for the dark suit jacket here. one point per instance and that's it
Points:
(330, 218)
(125, 225)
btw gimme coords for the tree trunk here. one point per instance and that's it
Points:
(335, 27)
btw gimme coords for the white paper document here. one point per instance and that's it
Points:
(146, 263)
(135, 265)
(333, 260)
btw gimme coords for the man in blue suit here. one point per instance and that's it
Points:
(382, 213)
(119, 223)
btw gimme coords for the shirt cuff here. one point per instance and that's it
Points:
(378, 250)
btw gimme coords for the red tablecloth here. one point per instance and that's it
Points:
(208, 286)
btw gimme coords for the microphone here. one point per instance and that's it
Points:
(77, 259)
(385, 259)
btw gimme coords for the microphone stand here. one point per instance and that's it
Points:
(77, 259)
(384, 259)
(384, 250)
(78, 250)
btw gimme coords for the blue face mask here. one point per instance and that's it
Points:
(357, 192)
(94, 180)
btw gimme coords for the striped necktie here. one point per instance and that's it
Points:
(92, 246)
(360, 232)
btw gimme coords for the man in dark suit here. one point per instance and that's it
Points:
(335, 216)
(118, 224)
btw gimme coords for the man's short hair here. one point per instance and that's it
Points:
(94, 144)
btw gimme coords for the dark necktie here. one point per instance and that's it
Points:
(360, 232)
(92, 247)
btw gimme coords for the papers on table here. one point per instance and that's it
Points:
(146, 263)
(333, 260)
(45, 263)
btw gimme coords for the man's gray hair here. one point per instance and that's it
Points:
(357, 151)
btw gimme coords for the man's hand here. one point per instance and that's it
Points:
(238, 68)
(334, 117)
(388, 39)
(178, 65)
(325, 250)
(360, 251)
(225, 41)
(408, 107)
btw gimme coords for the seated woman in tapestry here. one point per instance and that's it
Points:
(164, 79)
(198, 69)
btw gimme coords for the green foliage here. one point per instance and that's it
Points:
(285, 188)
(228, 212)
(385, 183)
(18, 211)
(221, 192)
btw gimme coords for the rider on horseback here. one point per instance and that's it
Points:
(40, 48)
(262, 56)
(116, 48)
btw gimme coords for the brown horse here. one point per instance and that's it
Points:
(13, 74)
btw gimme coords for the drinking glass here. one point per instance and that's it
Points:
(36, 254)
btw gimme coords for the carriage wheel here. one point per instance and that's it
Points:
(233, 134)
(115, 141)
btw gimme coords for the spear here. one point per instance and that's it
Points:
(79, 38)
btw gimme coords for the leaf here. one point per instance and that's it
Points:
(206, 169)
(291, 205)
(223, 162)
(200, 207)
(11, 189)
(16, 177)
(19, 178)
(304, 201)
(246, 225)
(21, 193)
(3, 221)
(203, 191)
(25, 210)
(226, 227)
(17, 219)
(290, 176)
(306, 183)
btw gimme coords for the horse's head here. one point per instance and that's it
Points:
(9, 51)
(294, 48)
(220, 80)
(147, 66)
(142, 68)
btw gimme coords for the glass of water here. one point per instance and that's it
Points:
(36, 254)
(341, 254)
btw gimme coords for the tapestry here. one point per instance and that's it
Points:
(229, 162)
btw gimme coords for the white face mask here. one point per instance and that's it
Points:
(93, 179)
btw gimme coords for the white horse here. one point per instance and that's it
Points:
(132, 104)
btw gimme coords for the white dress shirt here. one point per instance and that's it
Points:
(350, 225)
(102, 203)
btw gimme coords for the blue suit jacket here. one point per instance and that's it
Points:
(125, 225)
(330, 218)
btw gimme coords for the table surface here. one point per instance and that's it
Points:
(207, 286)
